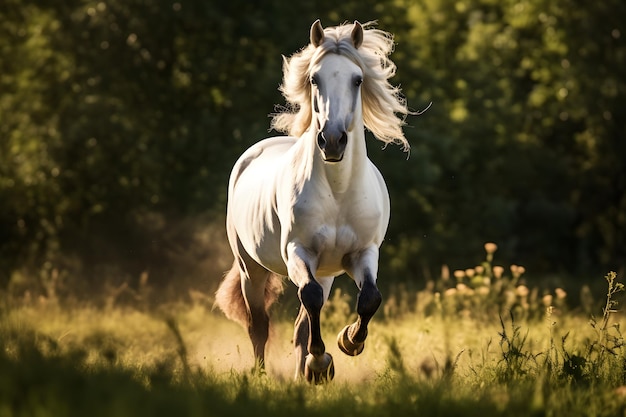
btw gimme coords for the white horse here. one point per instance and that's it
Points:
(311, 205)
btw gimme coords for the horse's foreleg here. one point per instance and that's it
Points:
(311, 296)
(318, 365)
(351, 339)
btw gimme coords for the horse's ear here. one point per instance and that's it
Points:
(317, 33)
(357, 34)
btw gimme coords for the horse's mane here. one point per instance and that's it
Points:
(381, 100)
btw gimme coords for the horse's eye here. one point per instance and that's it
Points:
(358, 81)
(313, 80)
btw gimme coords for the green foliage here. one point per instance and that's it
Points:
(515, 356)
(121, 120)
(600, 361)
(508, 150)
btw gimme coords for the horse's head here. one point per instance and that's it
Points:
(321, 86)
(335, 94)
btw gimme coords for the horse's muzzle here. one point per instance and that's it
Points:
(332, 146)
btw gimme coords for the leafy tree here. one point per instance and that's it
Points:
(121, 120)
(522, 143)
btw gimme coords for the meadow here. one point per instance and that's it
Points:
(476, 342)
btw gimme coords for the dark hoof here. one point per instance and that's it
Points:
(319, 370)
(346, 345)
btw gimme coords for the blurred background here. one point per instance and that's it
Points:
(121, 119)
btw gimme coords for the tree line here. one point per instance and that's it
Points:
(120, 121)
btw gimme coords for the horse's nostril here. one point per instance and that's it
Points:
(343, 140)
(321, 142)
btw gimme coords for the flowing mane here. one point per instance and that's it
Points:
(381, 100)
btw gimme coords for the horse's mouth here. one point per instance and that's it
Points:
(332, 156)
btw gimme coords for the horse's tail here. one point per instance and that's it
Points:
(230, 299)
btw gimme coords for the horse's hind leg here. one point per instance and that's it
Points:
(245, 295)
(301, 340)
(259, 290)
(258, 321)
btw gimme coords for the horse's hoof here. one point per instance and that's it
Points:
(346, 345)
(319, 370)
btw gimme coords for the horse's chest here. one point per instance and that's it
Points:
(336, 229)
(333, 242)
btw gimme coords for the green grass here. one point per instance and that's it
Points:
(425, 356)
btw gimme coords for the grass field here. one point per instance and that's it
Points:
(438, 352)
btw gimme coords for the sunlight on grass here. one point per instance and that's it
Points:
(436, 351)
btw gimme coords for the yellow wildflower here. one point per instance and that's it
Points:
(490, 247)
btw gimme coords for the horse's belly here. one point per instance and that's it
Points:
(269, 255)
(259, 234)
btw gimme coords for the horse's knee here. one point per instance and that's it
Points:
(312, 296)
(369, 299)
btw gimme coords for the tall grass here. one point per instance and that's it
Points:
(435, 353)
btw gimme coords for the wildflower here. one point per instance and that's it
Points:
(509, 296)
(547, 300)
(445, 272)
(459, 274)
(482, 290)
(480, 269)
(464, 289)
(498, 271)
(560, 293)
(437, 301)
(517, 271)
(490, 247)
(522, 290)
(470, 272)
(450, 292)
